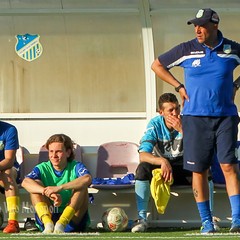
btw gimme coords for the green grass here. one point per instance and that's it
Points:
(152, 234)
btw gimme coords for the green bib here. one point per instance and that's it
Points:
(49, 178)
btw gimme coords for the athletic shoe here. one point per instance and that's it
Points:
(215, 223)
(30, 225)
(48, 228)
(12, 227)
(59, 228)
(235, 228)
(140, 225)
(207, 227)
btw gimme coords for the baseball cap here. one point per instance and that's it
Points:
(204, 16)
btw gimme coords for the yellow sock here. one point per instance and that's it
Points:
(66, 216)
(43, 212)
(13, 207)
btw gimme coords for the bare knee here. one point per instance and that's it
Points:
(36, 198)
(229, 169)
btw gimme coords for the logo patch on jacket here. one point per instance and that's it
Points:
(227, 48)
(196, 63)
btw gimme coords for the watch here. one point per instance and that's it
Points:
(179, 87)
(236, 85)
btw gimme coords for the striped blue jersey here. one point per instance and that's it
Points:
(158, 139)
(208, 75)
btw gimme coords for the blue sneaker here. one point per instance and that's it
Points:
(235, 228)
(207, 227)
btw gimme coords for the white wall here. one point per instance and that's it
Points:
(34, 133)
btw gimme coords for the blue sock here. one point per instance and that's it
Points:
(142, 190)
(235, 206)
(204, 211)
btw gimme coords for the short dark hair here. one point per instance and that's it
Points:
(165, 98)
(62, 138)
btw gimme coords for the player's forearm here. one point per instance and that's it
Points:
(32, 186)
(78, 184)
(150, 158)
(237, 83)
(164, 74)
(6, 164)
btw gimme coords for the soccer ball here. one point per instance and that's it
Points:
(114, 219)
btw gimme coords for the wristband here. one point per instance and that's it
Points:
(179, 87)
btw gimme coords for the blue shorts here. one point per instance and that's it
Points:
(204, 136)
(71, 227)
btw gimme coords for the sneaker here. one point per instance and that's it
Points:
(59, 228)
(207, 227)
(235, 228)
(30, 225)
(140, 226)
(215, 224)
(12, 227)
(48, 228)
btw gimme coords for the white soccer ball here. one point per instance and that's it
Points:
(115, 219)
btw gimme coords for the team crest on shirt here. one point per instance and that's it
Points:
(28, 47)
(1, 145)
(227, 48)
(196, 63)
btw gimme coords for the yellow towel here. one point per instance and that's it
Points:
(160, 190)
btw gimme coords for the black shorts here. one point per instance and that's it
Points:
(180, 175)
(205, 136)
